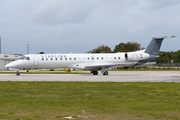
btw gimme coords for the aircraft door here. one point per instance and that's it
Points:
(35, 60)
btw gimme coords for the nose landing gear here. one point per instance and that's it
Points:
(17, 73)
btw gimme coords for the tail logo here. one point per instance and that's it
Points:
(141, 56)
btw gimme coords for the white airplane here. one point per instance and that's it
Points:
(92, 62)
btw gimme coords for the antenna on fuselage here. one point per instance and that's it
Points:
(70, 49)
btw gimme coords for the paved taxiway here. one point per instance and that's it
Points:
(115, 76)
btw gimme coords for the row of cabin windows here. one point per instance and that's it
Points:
(79, 58)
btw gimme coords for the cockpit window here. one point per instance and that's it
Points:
(22, 58)
(27, 58)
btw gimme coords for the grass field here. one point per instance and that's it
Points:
(100, 100)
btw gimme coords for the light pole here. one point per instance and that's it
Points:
(70, 49)
(172, 62)
(4, 49)
(4, 55)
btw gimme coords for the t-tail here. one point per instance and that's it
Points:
(155, 45)
(153, 49)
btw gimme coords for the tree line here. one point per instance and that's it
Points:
(164, 57)
(168, 57)
(121, 47)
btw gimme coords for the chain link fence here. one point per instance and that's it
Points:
(161, 65)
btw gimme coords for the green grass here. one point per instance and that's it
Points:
(100, 100)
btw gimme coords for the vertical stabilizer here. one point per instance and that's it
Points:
(155, 45)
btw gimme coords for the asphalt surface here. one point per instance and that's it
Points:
(115, 76)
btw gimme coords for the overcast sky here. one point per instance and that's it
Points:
(78, 26)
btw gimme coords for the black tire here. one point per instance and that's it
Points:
(105, 73)
(95, 72)
(17, 74)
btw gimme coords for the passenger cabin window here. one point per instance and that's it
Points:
(102, 58)
(97, 58)
(46, 58)
(114, 57)
(56, 58)
(51, 59)
(65, 58)
(69, 58)
(60, 58)
(118, 57)
(42, 58)
(74, 58)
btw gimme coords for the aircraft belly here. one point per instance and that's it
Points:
(77, 66)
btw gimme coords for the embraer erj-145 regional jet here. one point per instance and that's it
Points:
(92, 62)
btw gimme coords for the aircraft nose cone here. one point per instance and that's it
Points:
(11, 65)
(6, 66)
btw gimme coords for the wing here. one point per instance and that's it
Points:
(99, 66)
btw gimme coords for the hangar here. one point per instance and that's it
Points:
(7, 58)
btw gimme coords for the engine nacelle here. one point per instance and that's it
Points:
(136, 56)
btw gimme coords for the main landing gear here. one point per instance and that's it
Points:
(94, 72)
(104, 72)
(17, 73)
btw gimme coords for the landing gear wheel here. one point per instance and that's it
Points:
(17, 74)
(105, 73)
(95, 72)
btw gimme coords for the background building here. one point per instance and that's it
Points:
(5, 59)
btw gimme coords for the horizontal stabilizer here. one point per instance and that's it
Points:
(163, 37)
